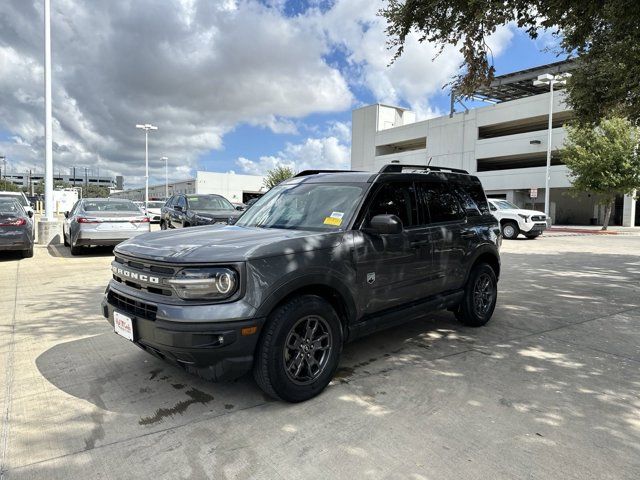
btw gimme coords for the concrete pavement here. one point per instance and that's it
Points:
(549, 389)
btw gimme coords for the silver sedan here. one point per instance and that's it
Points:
(102, 221)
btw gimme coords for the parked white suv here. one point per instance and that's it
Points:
(515, 220)
(21, 198)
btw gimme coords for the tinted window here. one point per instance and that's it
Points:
(109, 206)
(395, 199)
(442, 202)
(477, 194)
(9, 205)
(213, 202)
(20, 198)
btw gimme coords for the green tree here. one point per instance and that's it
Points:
(277, 175)
(95, 191)
(603, 33)
(7, 186)
(603, 160)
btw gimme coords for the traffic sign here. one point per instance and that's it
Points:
(533, 192)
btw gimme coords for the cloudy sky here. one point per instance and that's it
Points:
(232, 85)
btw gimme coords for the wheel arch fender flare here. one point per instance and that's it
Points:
(333, 289)
(486, 254)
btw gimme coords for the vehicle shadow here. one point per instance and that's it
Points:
(59, 250)
(10, 255)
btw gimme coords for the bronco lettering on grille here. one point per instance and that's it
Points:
(134, 275)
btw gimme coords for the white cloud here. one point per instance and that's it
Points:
(194, 68)
(325, 153)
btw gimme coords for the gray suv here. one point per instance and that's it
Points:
(322, 259)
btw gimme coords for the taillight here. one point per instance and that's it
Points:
(140, 220)
(89, 220)
(18, 222)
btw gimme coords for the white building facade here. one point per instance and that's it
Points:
(504, 144)
(234, 187)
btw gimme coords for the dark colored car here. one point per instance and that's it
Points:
(16, 227)
(321, 259)
(193, 210)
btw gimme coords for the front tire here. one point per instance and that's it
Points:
(299, 350)
(163, 225)
(64, 240)
(480, 297)
(510, 230)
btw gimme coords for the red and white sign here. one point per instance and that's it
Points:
(533, 192)
(123, 325)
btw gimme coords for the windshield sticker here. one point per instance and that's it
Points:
(336, 222)
(337, 215)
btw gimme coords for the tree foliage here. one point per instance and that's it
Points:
(603, 160)
(7, 186)
(277, 175)
(605, 34)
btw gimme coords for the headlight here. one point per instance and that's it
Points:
(204, 283)
(525, 217)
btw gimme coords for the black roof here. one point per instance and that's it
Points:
(512, 86)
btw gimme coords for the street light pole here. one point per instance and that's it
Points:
(551, 80)
(146, 127)
(166, 176)
(48, 152)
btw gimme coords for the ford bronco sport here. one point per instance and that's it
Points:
(321, 259)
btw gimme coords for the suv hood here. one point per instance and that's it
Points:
(224, 243)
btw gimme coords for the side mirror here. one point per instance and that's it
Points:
(385, 225)
(66, 214)
(232, 220)
(30, 213)
(240, 208)
(177, 208)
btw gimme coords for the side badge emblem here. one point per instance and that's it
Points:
(371, 277)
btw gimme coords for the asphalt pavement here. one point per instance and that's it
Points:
(549, 389)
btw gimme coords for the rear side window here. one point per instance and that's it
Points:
(397, 199)
(441, 202)
(476, 193)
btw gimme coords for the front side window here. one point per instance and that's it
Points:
(441, 202)
(305, 206)
(181, 202)
(395, 199)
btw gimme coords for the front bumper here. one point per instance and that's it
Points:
(537, 227)
(215, 350)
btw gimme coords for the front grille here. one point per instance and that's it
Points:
(538, 218)
(134, 307)
(141, 267)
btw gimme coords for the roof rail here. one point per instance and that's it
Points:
(306, 173)
(399, 168)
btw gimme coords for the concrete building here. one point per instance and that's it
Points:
(234, 187)
(504, 144)
(26, 179)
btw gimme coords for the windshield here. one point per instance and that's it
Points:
(9, 205)
(20, 198)
(212, 202)
(109, 206)
(504, 205)
(305, 206)
(156, 204)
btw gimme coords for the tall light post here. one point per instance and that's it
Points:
(551, 80)
(166, 176)
(146, 127)
(48, 140)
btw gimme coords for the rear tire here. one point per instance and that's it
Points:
(28, 253)
(299, 349)
(75, 250)
(480, 297)
(510, 230)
